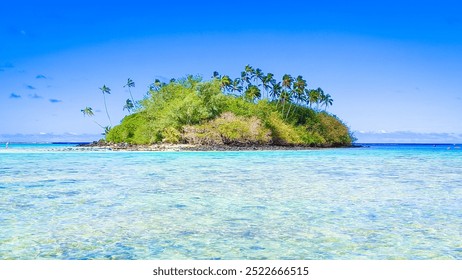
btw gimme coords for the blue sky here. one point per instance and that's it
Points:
(393, 68)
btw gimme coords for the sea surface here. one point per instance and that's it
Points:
(375, 202)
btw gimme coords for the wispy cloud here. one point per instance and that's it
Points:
(40, 76)
(407, 137)
(7, 65)
(30, 87)
(49, 137)
(14, 95)
(52, 100)
(35, 96)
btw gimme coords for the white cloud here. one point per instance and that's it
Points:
(407, 137)
(44, 137)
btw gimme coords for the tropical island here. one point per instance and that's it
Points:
(253, 110)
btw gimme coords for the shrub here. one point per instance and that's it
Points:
(171, 135)
(331, 129)
(129, 130)
(282, 133)
(228, 129)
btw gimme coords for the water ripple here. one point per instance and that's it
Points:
(328, 204)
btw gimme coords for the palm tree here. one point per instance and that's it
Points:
(299, 88)
(306, 97)
(267, 83)
(129, 105)
(236, 85)
(130, 83)
(259, 75)
(275, 90)
(250, 73)
(314, 97)
(106, 129)
(157, 85)
(326, 100)
(252, 92)
(298, 91)
(320, 97)
(105, 90)
(287, 82)
(244, 78)
(225, 82)
(216, 75)
(284, 97)
(88, 111)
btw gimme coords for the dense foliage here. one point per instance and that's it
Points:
(252, 109)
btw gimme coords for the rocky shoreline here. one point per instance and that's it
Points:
(191, 147)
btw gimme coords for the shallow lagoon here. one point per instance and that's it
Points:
(381, 202)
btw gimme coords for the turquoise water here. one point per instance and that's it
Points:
(381, 202)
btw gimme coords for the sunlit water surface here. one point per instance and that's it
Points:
(381, 202)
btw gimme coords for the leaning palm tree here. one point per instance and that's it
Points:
(106, 130)
(105, 90)
(130, 83)
(88, 111)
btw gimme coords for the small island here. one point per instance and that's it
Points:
(252, 112)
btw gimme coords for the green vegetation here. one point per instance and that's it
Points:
(253, 109)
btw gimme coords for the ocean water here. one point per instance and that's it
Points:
(377, 202)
